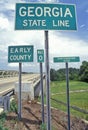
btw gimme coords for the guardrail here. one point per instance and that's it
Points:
(5, 99)
(6, 76)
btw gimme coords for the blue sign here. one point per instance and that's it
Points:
(20, 54)
(40, 16)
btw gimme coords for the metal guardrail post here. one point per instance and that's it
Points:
(5, 100)
(8, 103)
(1, 101)
(5, 103)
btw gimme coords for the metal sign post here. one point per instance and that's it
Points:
(68, 101)
(35, 17)
(40, 59)
(47, 82)
(20, 54)
(66, 60)
(19, 96)
(42, 92)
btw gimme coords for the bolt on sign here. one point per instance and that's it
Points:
(20, 53)
(40, 16)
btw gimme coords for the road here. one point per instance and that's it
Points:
(8, 83)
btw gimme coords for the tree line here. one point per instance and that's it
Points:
(80, 74)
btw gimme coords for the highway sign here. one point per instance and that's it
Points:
(40, 16)
(66, 59)
(20, 53)
(40, 55)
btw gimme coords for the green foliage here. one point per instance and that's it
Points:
(74, 74)
(60, 74)
(87, 117)
(2, 128)
(2, 120)
(83, 73)
(53, 75)
(13, 106)
(77, 97)
(43, 127)
(2, 117)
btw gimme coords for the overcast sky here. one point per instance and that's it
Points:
(61, 43)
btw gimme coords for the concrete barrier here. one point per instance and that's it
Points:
(30, 89)
(27, 90)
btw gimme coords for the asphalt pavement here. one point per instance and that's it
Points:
(9, 83)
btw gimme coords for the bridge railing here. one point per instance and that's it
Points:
(5, 99)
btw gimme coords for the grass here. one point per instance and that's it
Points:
(76, 99)
(79, 99)
(43, 127)
(60, 86)
(13, 106)
(2, 120)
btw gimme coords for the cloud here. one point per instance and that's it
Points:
(4, 23)
(66, 46)
(83, 25)
(58, 44)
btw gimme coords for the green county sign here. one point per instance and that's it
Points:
(66, 59)
(20, 53)
(40, 55)
(40, 16)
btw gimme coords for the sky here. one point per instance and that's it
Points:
(61, 43)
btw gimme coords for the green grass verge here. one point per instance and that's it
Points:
(79, 99)
(2, 120)
(60, 86)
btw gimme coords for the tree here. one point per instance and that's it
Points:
(73, 73)
(60, 74)
(83, 73)
(53, 76)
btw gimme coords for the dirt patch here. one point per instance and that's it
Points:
(31, 119)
